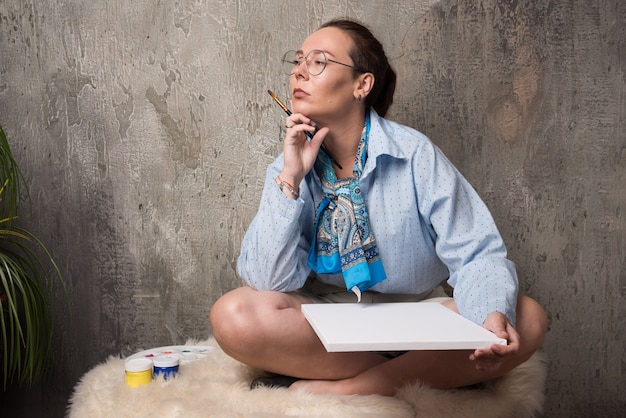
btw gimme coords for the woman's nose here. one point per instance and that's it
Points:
(300, 70)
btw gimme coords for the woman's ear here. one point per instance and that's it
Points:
(364, 85)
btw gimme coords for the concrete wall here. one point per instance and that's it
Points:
(144, 129)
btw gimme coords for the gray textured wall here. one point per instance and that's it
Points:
(144, 129)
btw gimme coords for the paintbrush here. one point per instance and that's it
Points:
(287, 111)
(307, 133)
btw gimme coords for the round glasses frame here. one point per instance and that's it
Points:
(315, 62)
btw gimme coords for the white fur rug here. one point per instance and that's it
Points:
(218, 386)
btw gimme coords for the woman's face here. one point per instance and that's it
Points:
(331, 93)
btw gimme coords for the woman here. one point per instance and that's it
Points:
(367, 209)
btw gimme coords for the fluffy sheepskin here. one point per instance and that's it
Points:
(218, 386)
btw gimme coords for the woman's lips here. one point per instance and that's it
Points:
(297, 93)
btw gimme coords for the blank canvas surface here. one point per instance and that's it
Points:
(395, 327)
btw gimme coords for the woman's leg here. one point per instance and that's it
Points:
(268, 331)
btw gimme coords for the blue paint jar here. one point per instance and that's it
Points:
(166, 366)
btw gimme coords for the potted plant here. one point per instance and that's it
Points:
(25, 285)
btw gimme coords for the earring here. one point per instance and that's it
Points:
(359, 98)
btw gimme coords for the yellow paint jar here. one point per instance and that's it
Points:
(138, 372)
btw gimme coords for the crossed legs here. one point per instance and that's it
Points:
(266, 330)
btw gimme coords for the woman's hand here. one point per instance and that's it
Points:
(490, 359)
(299, 152)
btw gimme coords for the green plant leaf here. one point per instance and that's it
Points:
(26, 306)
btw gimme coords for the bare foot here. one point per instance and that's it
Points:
(354, 386)
(337, 387)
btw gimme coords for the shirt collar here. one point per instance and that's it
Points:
(386, 138)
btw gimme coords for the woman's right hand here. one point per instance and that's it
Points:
(299, 152)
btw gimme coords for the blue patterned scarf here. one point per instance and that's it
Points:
(343, 241)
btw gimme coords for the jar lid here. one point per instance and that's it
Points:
(138, 365)
(169, 360)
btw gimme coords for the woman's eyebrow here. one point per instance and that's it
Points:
(299, 51)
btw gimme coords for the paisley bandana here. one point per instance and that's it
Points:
(343, 241)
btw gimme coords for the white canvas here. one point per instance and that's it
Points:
(395, 327)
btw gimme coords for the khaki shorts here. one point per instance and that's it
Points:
(320, 292)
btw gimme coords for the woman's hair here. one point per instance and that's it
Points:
(368, 54)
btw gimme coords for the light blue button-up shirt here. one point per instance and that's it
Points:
(428, 221)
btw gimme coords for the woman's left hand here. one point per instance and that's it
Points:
(490, 359)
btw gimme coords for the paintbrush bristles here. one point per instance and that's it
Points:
(281, 104)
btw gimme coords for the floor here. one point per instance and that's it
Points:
(32, 403)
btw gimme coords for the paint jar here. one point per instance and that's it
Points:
(138, 372)
(166, 366)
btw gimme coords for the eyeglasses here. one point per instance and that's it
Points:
(315, 62)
